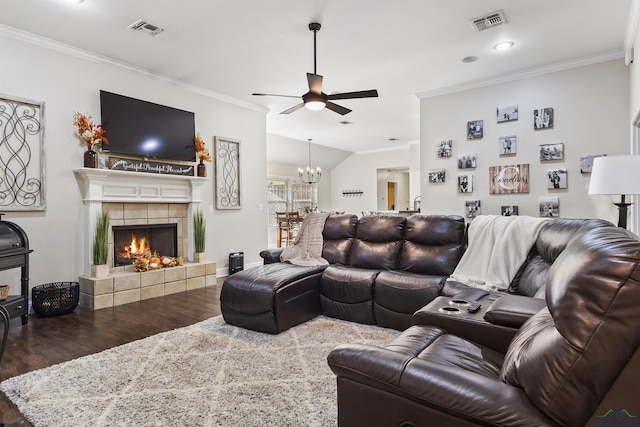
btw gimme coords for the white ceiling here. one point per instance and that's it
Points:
(401, 48)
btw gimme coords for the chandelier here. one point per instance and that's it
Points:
(309, 176)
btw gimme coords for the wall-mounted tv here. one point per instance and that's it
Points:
(142, 128)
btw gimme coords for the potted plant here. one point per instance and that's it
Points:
(199, 232)
(101, 246)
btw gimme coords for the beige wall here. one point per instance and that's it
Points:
(591, 112)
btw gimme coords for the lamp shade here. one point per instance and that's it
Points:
(618, 175)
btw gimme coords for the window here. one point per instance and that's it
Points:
(289, 194)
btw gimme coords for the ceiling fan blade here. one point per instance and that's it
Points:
(337, 108)
(270, 94)
(352, 95)
(292, 109)
(315, 83)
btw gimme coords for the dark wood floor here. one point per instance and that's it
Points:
(46, 341)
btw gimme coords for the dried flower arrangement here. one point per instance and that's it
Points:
(201, 150)
(89, 132)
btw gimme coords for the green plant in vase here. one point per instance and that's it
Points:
(199, 233)
(101, 246)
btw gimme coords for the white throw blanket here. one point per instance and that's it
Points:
(306, 248)
(498, 246)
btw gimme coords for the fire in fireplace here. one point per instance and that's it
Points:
(131, 241)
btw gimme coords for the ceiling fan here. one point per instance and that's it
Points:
(316, 99)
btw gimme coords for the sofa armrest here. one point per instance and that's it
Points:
(513, 310)
(466, 397)
(445, 313)
(270, 256)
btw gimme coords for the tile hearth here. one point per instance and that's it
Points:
(124, 285)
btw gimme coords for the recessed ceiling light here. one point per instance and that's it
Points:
(470, 59)
(503, 46)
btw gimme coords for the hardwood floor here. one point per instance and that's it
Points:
(46, 341)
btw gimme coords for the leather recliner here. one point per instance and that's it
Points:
(575, 361)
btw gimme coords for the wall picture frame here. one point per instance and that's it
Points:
(473, 208)
(543, 118)
(550, 152)
(549, 207)
(437, 176)
(509, 210)
(467, 161)
(475, 129)
(557, 179)
(508, 145)
(507, 113)
(227, 161)
(22, 155)
(445, 149)
(586, 163)
(465, 183)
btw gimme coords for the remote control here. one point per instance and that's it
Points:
(473, 307)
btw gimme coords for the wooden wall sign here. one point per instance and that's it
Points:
(509, 179)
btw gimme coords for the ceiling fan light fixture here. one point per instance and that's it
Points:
(315, 105)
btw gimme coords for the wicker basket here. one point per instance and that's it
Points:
(54, 299)
(4, 291)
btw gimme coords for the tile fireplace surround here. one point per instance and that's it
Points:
(134, 198)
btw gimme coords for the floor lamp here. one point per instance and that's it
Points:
(616, 175)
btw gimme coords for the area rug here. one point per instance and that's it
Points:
(206, 374)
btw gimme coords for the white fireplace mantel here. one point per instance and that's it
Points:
(106, 185)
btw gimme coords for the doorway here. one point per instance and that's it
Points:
(392, 195)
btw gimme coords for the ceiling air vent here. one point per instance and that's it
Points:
(145, 27)
(491, 20)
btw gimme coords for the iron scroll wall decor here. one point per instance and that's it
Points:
(22, 165)
(227, 173)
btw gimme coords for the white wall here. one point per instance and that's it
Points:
(591, 113)
(71, 82)
(359, 172)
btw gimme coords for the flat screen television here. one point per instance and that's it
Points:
(142, 128)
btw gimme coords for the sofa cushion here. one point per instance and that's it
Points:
(432, 244)
(338, 234)
(405, 292)
(397, 295)
(378, 242)
(347, 293)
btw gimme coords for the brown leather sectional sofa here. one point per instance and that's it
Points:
(560, 348)
(572, 361)
(382, 269)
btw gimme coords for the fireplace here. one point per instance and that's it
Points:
(130, 241)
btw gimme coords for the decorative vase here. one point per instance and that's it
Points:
(199, 257)
(202, 168)
(90, 159)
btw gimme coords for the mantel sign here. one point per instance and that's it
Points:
(117, 163)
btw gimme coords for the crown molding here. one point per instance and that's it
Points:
(534, 72)
(26, 37)
(632, 25)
